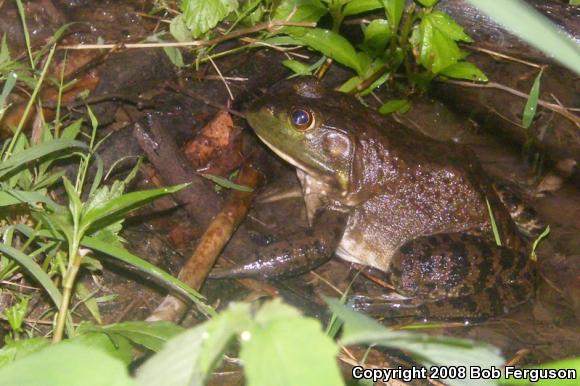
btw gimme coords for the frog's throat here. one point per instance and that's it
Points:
(290, 160)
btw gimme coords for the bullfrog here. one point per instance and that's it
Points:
(381, 195)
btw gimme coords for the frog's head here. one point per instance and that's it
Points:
(309, 127)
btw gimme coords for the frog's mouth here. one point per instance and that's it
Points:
(298, 164)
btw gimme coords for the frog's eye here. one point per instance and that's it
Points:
(302, 119)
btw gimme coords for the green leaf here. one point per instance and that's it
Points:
(534, 28)
(377, 35)
(396, 105)
(200, 16)
(174, 55)
(66, 364)
(225, 183)
(537, 242)
(444, 23)
(532, 103)
(360, 6)
(18, 349)
(21, 159)
(35, 270)
(297, 67)
(394, 10)
(151, 335)
(118, 348)
(179, 30)
(464, 70)
(4, 51)
(299, 10)
(127, 257)
(87, 298)
(435, 50)
(13, 197)
(147, 268)
(116, 208)
(330, 44)
(291, 344)
(428, 3)
(72, 130)
(189, 358)
(429, 350)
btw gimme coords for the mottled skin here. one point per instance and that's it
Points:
(384, 196)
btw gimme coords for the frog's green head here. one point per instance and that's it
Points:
(305, 125)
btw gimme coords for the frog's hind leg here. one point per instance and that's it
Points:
(456, 275)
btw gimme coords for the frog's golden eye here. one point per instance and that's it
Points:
(302, 119)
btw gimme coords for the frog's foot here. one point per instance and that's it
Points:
(484, 304)
(295, 255)
(525, 217)
(458, 274)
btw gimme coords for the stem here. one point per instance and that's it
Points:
(68, 285)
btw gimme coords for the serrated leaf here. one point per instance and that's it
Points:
(330, 44)
(396, 105)
(188, 358)
(532, 103)
(67, 364)
(435, 50)
(289, 343)
(444, 23)
(200, 16)
(465, 70)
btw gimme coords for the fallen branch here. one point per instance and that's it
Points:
(212, 242)
(267, 26)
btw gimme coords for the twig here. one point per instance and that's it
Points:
(225, 82)
(214, 239)
(564, 111)
(270, 25)
(501, 55)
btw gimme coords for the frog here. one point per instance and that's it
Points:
(421, 211)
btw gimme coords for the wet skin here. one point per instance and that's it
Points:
(387, 197)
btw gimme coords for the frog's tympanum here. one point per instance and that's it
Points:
(384, 196)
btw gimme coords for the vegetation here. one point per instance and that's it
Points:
(55, 222)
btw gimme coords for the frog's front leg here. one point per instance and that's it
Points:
(455, 275)
(295, 255)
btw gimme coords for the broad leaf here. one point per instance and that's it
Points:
(299, 10)
(465, 70)
(396, 105)
(394, 10)
(17, 349)
(360, 6)
(189, 358)
(67, 364)
(330, 44)
(284, 340)
(200, 16)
